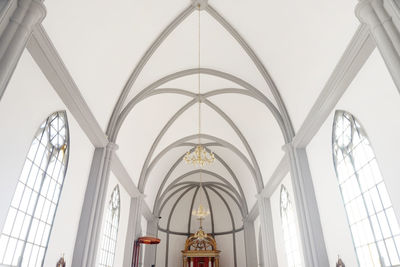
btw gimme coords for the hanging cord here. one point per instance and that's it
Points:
(199, 82)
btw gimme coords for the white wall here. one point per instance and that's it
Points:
(374, 100)
(27, 102)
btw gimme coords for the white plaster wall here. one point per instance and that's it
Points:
(240, 249)
(176, 244)
(374, 100)
(25, 105)
(225, 244)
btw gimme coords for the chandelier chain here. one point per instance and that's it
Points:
(199, 64)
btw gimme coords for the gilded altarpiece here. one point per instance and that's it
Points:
(200, 251)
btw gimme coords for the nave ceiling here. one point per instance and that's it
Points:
(246, 117)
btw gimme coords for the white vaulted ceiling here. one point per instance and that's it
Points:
(244, 122)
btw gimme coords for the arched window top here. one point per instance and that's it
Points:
(289, 227)
(110, 232)
(115, 202)
(373, 224)
(30, 218)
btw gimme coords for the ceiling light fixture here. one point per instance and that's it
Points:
(199, 155)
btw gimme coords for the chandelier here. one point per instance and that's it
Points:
(201, 213)
(199, 156)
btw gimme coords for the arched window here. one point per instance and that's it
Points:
(30, 218)
(373, 224)
(289, 230)
(110, 233)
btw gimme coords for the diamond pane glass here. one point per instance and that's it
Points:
(25, 235)
(289, 230)
(373, 224)
(110, 231)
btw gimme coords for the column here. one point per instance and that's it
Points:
(17, 30)
(191, 262)
(86, 243)
(134, 228)
(312, 238)
(385, 33)
(150, 253)
(267, 232)
(209, 262)
(250, 243)
(184, 261)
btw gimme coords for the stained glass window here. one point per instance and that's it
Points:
(373, 224)
(30, 218)
(110, 234)
(289, 230)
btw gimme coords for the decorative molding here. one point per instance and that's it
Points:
(277, 176)
(16, 30)
(123, 177)
(253, 214)
(356, 54)
(7, 8)
(139, 67)
(288, 129)
(202, 3)
(52, 66)
(146, 92)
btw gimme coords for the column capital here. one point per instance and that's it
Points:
(286, 147)
(29, 13)
(112, 146)
(366, 14)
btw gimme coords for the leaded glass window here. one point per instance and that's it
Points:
(374, 227)
(110, 234)
(289, 230)
(30, 218)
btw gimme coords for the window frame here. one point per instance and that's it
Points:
(285, 223)
(37, 196)
(105, 252)
(348, 150)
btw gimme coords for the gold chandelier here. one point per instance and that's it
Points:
(201, 213)
(199, 156)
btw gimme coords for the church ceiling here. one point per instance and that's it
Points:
(258, 61)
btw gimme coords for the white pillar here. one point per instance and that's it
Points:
(267, 232)
(250, 243)
(384, 32)
(15, 35)
(134, 228)
(89, 229)
(150, 253)
(191, 262)
(312, 238)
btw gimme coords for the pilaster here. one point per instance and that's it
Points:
(134, 228)
(15, 35)
(313, 243)
(267, 232)
(250, 243)
(150, 252)
(385, 33)
(89, 228)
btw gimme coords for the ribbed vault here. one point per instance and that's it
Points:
(231, 183)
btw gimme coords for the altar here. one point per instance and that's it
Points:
(200, 251)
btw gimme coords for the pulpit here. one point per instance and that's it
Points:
(200, 251)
